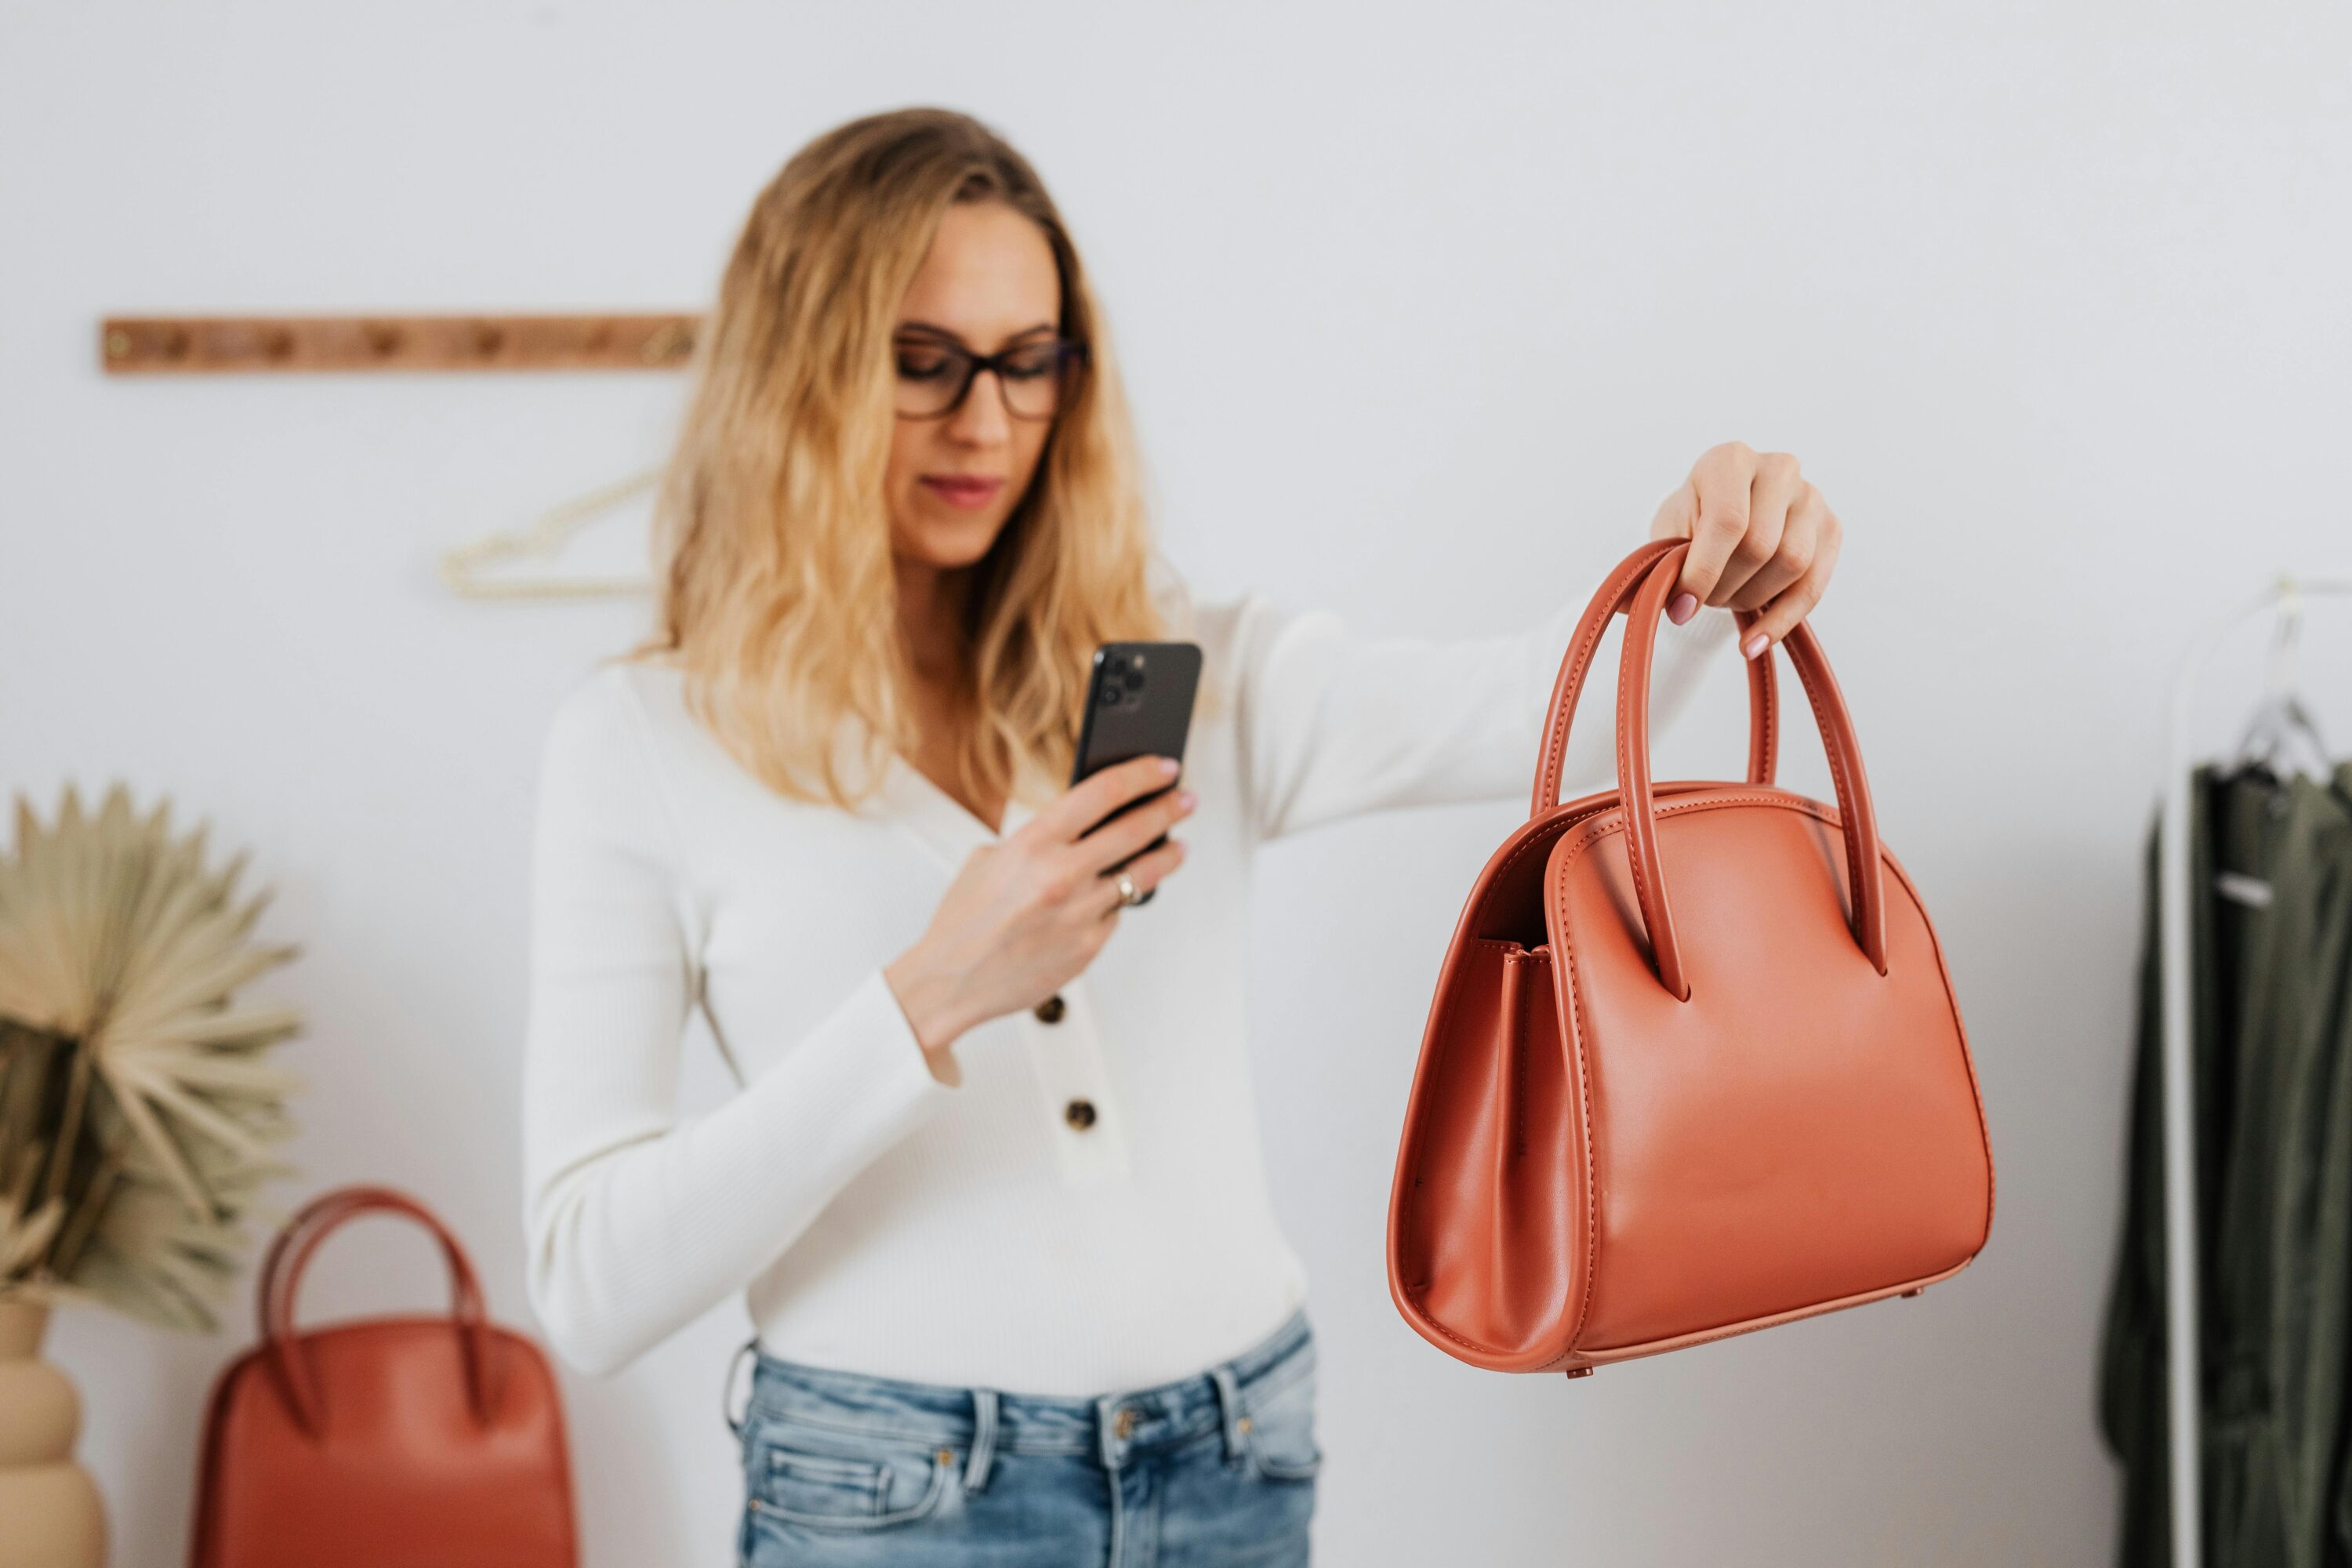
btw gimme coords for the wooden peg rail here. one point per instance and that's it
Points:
(179, 345)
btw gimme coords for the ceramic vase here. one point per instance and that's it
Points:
(50, 1511)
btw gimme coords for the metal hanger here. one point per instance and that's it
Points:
(462, 566)
(2281, 720)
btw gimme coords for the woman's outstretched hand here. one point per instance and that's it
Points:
(1762, 539)
(1027, 913)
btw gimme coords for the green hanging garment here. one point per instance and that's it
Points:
(2309, 1343)
(2280, 1330)
(2271, 913)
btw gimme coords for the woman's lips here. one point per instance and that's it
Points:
(963, 492)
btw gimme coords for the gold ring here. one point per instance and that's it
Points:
(1129, 893)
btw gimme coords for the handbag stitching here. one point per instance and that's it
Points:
(1838, 771)
(1967, 1060)
(1542, 837)
(1633, 844)
(1584, 1130)
(1516, 1128)
(1556, 740)
(1547, 830)
(1651, 918)
(1770, 1320)
(1457, 1338)
(1556, 734)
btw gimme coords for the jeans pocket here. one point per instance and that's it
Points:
(1280, 1435)
(822, 1478)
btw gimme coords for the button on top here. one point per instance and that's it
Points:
(1079, 1114)
(1125, 1425)
(1051, 1009)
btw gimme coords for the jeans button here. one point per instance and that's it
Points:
(1125, 1425)
(1079, 1114)
(1051, 1009)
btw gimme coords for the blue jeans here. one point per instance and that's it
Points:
(841, 1468)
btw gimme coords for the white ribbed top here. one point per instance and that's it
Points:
(884, 1222)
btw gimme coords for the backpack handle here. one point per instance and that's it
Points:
(1612, 598)
(281, 1279)
(1857, 819)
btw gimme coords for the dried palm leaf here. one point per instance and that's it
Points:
(137, 1109)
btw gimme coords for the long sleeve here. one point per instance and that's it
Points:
(1332, 723)
(639, 1221)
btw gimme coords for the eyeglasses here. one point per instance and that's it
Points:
(935, 374)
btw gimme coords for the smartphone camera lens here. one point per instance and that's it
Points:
(1122, 682)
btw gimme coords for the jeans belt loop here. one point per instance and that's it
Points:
(983, 1438)
(727, 1391)
(1229, 1402)
(1106, 1438)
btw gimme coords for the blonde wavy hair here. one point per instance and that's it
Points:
(772, 535)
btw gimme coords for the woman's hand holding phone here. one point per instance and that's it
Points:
(1026, 914)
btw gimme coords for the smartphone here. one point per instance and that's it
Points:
(1139, 701)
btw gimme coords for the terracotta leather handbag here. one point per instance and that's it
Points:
(1693, 1066)
(383, 1441)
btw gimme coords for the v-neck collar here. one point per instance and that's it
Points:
(943, 824)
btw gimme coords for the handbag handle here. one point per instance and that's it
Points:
(1614, 598)
(281, 1279)
(1857, 819)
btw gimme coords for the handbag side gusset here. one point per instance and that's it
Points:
(1503, 910)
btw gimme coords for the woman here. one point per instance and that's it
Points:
(993, 1180)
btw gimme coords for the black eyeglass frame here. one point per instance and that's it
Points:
(1072, 350)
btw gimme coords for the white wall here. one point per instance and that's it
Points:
(1424, 308)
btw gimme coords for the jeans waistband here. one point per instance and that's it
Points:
(1109, 1426)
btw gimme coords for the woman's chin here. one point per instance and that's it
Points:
(950, 544)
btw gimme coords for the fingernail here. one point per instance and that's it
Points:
(1753, 645)
(1168, 766)
(1184, 799)
(1682, 606)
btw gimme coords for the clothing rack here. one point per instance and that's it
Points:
(2183, 1416)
